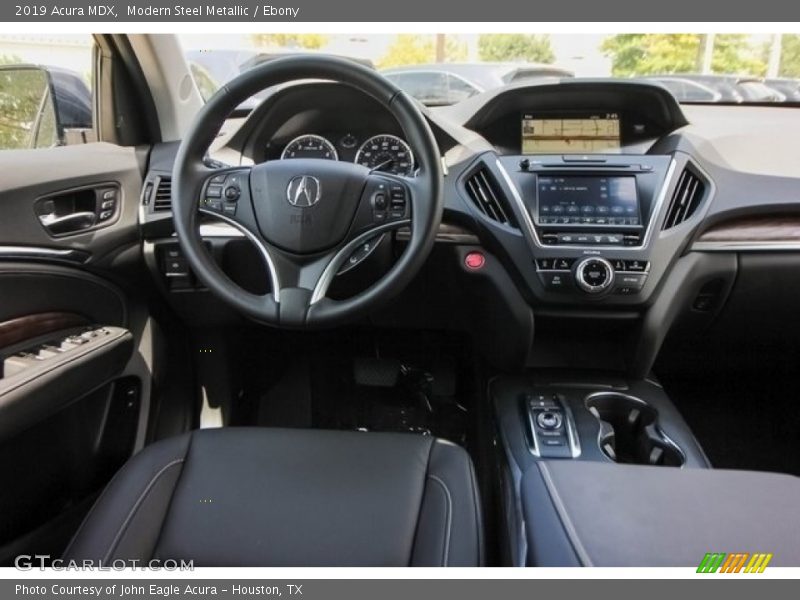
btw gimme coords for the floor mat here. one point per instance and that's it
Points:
(420, 383)
(344, 401)
(287, 403)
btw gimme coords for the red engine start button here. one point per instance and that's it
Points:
(474, 260)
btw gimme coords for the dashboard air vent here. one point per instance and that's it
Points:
(686, 199)
(163, 197)
(488, 198)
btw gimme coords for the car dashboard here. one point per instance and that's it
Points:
(594, 199)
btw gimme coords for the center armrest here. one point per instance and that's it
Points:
(595, 514)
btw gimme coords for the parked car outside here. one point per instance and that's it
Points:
(441, 84)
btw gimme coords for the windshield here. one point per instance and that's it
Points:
(444, 69)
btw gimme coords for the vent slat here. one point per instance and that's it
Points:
(488, 198)
(494, 202)
(679, 199)
(162, 199)
(686, 199)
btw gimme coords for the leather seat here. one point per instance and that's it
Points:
(280, 497)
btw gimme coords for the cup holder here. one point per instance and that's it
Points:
(629, 431)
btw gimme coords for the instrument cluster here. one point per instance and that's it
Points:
(382, 152)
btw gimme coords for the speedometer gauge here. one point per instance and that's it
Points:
(310, 146)
(386, 153)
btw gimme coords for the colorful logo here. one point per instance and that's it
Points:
(742, 562)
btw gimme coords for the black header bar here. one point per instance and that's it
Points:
(513, 11)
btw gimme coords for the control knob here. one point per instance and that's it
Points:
(594, 275)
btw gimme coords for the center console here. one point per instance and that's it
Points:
(597, 418)
(557, 416)
(590, 221)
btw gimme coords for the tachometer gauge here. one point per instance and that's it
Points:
(310, 146)
(386, 153)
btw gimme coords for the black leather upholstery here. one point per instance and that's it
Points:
(581, 513)
(279, 497)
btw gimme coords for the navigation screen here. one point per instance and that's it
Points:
(588, 200)
(574, 134)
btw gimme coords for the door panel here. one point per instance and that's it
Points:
(71, 374)
(31, 177)
(32, 288)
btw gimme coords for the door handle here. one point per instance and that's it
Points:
(80, 209)
(72, 222)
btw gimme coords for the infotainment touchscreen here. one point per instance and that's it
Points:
(570, 134)
(588, 200)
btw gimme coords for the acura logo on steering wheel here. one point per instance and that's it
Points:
(303, 191)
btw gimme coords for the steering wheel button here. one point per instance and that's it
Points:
(379, 201)
(214, 191)
(232, 193)
(474, 260)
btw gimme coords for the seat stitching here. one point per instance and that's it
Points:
(478, 515)
(566, 522)
(421, 502)
(91, 512)
(448, 527)
(136, 505)
(172, 496)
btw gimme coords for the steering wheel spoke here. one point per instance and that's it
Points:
(225, 195)
(349, 255)
(298, 277)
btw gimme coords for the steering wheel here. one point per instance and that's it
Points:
(307, 217)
